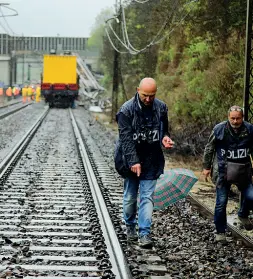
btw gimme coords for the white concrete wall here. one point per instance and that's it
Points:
(35, 70)
(4, 70)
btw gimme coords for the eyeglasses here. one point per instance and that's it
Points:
(235, 108)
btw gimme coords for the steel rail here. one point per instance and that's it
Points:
(12, 104)
(17, 149)
(119, 263)
(3, 115)
(207, 212)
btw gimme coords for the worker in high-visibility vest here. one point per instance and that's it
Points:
(38, 92)
(33, 93)
(24, 94)
(29, 93)
(9, 93)
(17, 91)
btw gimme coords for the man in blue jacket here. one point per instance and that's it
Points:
(143, 129)
(227, 160)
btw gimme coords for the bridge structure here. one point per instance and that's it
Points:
(89, 86)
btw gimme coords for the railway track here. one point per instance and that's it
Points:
(61, 208)
(10, 104)
(54, 222)
(157, 258)
(200, 206)
(208, 213)
(12, 108)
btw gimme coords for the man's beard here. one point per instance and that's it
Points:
(235, 126)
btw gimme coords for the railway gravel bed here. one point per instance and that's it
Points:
(205, 193)
(184, 241)
(13, 127)
(5, 112)
(49, 226)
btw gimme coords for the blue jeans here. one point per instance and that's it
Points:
(73, 104)
(147, 188)
(246, 204)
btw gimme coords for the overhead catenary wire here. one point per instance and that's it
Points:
(4, 28)
(126, 42)
(154, 42)
(5, 20)
(165, 36)
(125, 29)
(123, 43)
(112, 44)
(141, 2)
(166, 22)
(8, 8)
(158, 34)
(123, 34)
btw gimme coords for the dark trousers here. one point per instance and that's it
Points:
(220, 215)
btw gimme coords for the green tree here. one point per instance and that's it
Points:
(97, 32)
(198, 64)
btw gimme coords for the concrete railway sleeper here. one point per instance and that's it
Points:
(54, 222)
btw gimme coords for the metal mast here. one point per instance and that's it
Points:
(248, 78)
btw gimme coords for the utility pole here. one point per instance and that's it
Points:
(23, 68)
(11, 50)
(248, 75)
(22, 46)
(115, 85)
(116, 59)
(11, 66)
(29, 73)
(15, 69)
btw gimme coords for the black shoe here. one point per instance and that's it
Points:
(145, 241)
(246, 223)
(131, 233)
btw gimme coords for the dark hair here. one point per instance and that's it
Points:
(235, 108)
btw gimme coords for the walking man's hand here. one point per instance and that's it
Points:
(136, 169)
(167, 142)
(206, 173)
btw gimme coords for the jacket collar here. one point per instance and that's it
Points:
(221, 128)
(138, 105)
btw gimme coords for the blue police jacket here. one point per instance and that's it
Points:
(230, 147)
(141, 130)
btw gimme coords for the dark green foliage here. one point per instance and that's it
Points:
(199, 63)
